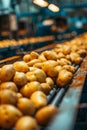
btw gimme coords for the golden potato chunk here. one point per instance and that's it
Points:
(66, 49)
(9, 85)
(53, 62)
(60, 55)
(63, 61)
(19, 95)
(50, 55)
(69, 68)
(26, 123)
(7, 72)
(50, 82)
(46, 114)
(30, 88)
(8, 97)
(45, 88)
(20, 79)
(42, 57)
(75, 58)
(34, 55)
(40, 75)
(64, 78)
(31, 76)
(39, 99)
(26, 106)
(26, 58)
(38, 65)
(21, 66)
(32, 62)
(58, 68)
(49, 69)
(82, 52)
(8, 116)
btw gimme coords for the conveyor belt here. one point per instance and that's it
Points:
(66, 119)
(66, 99)
(19, 57)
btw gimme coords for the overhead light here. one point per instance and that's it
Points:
(6, 3)
(48, 22)
(53, 8)
(41, 3)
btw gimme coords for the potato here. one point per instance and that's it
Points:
(82, 52)
(45, 88)
(9, 85)
(21, 66)
(52, 72)
(69, 68)
(50, 82)
(32, 69)
(66, 49)
(7, 72)
(39, 99)
(75, 58)
(64, 77)
(58, 68)
(31, 76)
(26, 123)
(38, 65)
(63, 61)
(40, 75)
(60, 55)
(26, 106)
(34, 55)
(32, 62)
(49, 69)
(42, 57)
(53, 62)
(30, 88)
(78, 60)
(46, 114)
(20, 79)
(74, 48)
(26, 58)
(68, 57)
(50, 55)
(58, 46)
(57, 50)
(19, 95)
(8, 97)
(8, 116)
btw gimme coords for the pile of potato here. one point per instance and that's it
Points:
(24, 85)
(24, 41)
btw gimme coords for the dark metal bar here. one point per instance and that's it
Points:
(51, 96)
(58, 97)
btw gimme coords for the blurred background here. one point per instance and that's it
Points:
(34, 17)
(24, 19)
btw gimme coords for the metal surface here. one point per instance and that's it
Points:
(68, 108)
